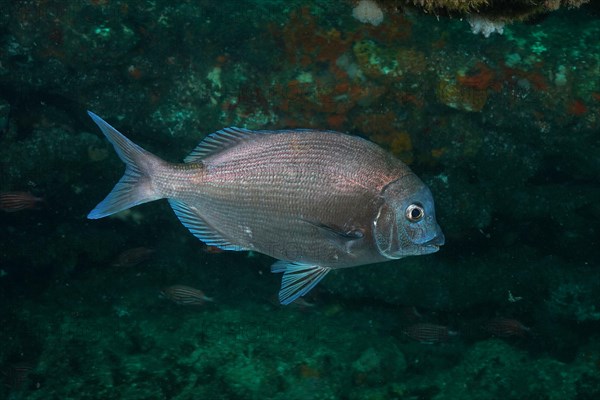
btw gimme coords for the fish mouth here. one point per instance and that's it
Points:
(438, 240)
(434, 244)
(430, 249)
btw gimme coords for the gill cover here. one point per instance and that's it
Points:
(385, 231)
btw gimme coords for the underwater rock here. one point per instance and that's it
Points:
(577, 300)
(388, 63)
(368, 361)
(499, 10)
(247, 378)
(4, 115)
(496, 369)
(374, 61)
(454, 95)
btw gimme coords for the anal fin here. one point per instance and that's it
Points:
(298, 279)
(190, 218)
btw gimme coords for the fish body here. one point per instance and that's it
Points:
(315, 200)
(18, 201)
(133, 257)
(17, 375)
(185, 295)
(429, 333)
(506, 327)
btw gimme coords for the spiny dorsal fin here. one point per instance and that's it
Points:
(217, 141)
(229, 137)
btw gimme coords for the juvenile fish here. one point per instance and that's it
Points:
(185, 295)
(314, 200)
(429, 333)
(506, 327)
(18, 201)
(133, 257)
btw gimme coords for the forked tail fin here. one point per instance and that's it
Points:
(135, 187)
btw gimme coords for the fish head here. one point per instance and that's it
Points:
(405, 224)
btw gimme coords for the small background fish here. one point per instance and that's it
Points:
(506, 327)
(428, 333)
(185, 295)
(133, 257)
(18, 201)
(16, 376)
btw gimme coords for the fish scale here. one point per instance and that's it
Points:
(278, 207)
(315, 200)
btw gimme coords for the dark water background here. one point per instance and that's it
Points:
(505, 131)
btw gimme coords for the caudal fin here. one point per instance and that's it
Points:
(135, 186)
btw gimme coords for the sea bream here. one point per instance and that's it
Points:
(314, 200)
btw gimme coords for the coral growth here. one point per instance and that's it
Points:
(368, 12)
(499, 11)
(454, 95)
(388, 63)
(481, 77)
(485, 26)
(464, 6)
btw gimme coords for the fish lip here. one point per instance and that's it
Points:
(436, 242)
(433, 245)
(431, 248)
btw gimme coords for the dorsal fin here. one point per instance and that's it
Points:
(229, 137)
(217, 141)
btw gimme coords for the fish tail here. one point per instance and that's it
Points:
(135, 186)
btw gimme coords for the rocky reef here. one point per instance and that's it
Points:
(504, 130)
(492, 10)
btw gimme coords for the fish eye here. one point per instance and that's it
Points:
(415, 212)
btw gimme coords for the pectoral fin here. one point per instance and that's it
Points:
(344, 239)
(298, 279)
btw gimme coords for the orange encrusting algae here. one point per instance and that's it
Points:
(482, 78)
(329, 83)
(577, 108)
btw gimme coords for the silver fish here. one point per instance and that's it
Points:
(314, 200)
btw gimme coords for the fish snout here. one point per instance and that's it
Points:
(438, 240)
(433, 245)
